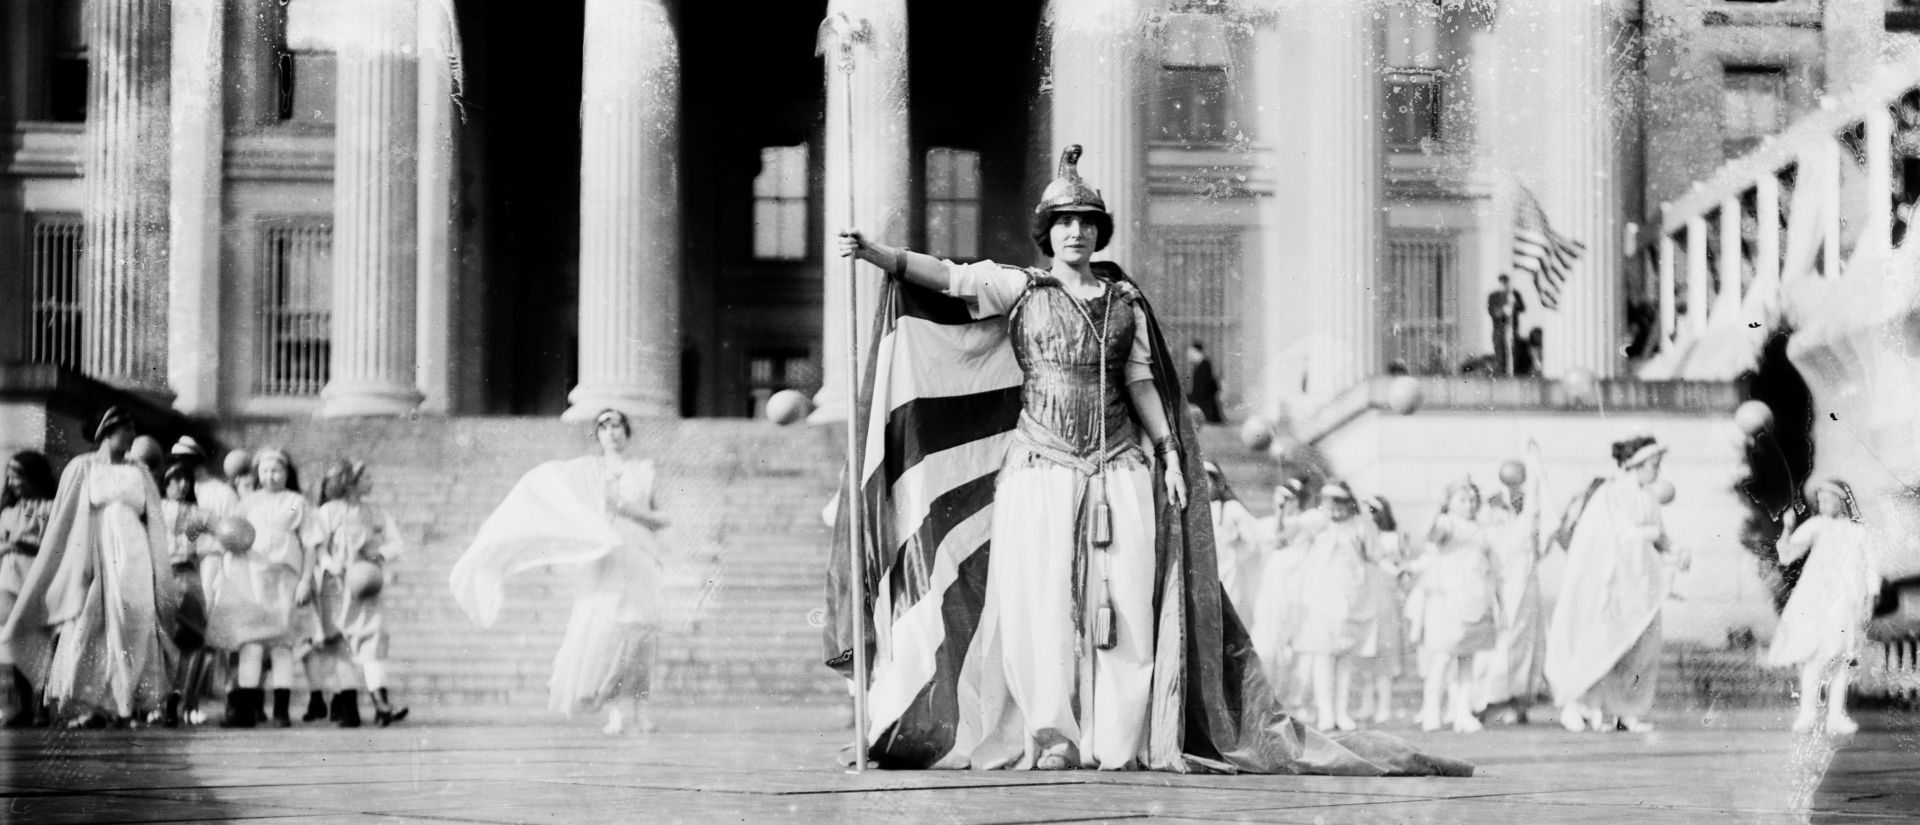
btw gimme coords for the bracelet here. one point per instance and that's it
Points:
(1163, 446)
(899, 268)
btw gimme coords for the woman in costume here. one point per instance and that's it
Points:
(1509, 675)
(597, 514)
(361, 541)
(1103, 640)
(26, 502)
(1603, 645)
(1826, 618)
(101, 582)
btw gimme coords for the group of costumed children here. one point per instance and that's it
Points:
(1338, 591)
(130, 593)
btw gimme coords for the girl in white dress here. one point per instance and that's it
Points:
(361, 540)
(1237, 535)
(26, 502)
(261, 599)
(1334, 611)
(1826, 617)
(1383, 653)
(1454, 604)
(1276, 611)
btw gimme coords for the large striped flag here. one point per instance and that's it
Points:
(1539, 250)
(938, 404)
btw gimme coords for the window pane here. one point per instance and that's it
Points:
(966, 174)
(940, 228)
(939, 173)
(793, 171)
(766, 229)
(793, 230)
(966, 230)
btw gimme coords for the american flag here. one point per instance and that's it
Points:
(938, 406)
(1540, 250)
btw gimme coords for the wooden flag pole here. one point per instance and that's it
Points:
(845, 33)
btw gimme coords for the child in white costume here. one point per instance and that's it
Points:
(1453, 606)
(1237, 535)
(256, 597)
(1383, 653)
(1510, 674)
(1826, 617)
(1335, 619)
(1276, 613)
(351, 573)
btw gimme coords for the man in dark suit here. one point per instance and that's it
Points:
(1504, 306)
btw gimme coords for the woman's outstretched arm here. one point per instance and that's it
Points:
(912, 267)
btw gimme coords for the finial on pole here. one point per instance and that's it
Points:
(844, 32)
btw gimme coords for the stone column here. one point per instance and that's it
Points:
(126, 167)
(1556, 108)
(375, 207)
(1097, 75)
(1331, 164)
(629, 213)
(193, 314)
(880, 185)
(436, 340)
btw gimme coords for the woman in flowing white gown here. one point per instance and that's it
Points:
(100, 584)
(1603, 645)
(598, 515)
(1509, 674)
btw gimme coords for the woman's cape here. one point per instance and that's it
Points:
(939, 400)
(55, 590)
(555, 515)
(1611, 592)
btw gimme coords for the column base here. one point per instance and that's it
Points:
(585, 403)
(829, 406)
(380, 400)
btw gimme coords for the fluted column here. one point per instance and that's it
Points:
(1097, 75)
(435, 339)
(126, 172)
(198, 136)
(880, 184)
(1556, 105)
(1331, 167)
(375, 209)
(629, 213)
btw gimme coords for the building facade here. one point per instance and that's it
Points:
(372, 207)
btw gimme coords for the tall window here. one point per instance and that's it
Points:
(1194, 103)
(780, 204)
(53, 290)
(953, 203)
(305, 86)
(1418, 306)
(66, 66)
(296, 306)
(1190, 287)
(1415, 101)
(1754, 105)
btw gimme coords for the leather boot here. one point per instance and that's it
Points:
(384, 714)
(282, 697)
(241, 707)
(346, 708)
(171, 717)
(24, 706)
(316, 707)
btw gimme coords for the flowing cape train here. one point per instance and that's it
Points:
(1611, 591)
(555, 515)
(938, 401)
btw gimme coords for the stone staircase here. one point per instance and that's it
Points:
(747, 491)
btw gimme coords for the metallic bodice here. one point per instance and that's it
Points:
(1060, 354)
